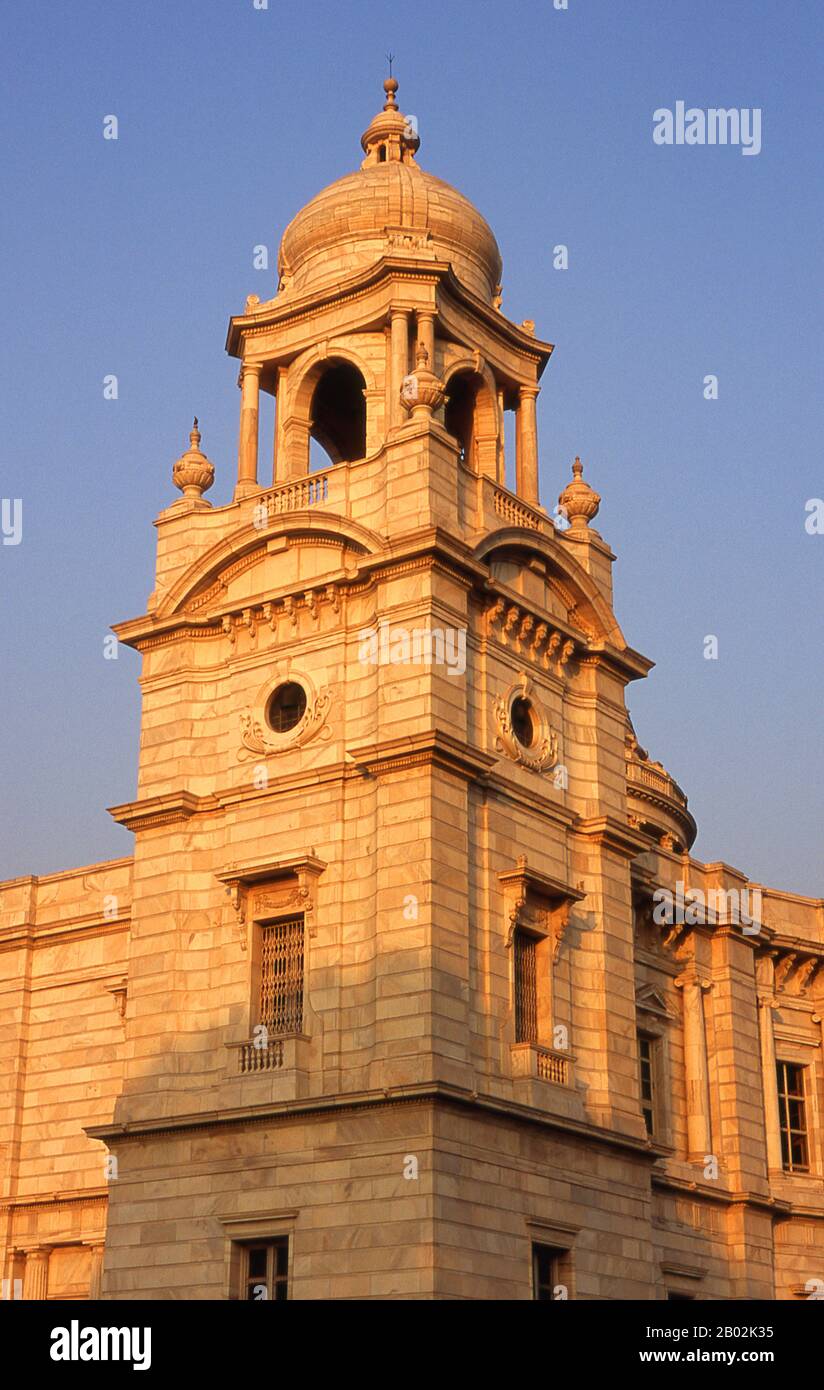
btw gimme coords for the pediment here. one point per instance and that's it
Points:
(649, 1000)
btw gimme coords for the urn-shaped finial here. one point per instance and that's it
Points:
(422, 392)
(579, 500)
(193, 473)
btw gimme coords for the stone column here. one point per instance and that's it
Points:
(699, 1129)
(527, 451)
(426, 334)
(96, 1275)
(247, 482)
(36, 1273)
(399, 351)
(772, 1118)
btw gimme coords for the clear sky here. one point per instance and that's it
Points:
(128, 257)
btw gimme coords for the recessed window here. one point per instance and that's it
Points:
(522, 718)
(286, 707)
(792, 1109)
(548, 1285)
(266, 1271)
(646, 1063)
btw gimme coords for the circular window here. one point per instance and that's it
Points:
(286, 707)
(523, 721)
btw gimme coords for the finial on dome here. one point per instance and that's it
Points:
(193, 473)
(579, 501)
(391, 137)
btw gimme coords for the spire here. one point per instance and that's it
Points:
(390, 137)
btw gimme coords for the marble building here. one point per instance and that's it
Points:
(412, 988)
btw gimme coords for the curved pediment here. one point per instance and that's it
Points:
(226, 566)
(570, 593)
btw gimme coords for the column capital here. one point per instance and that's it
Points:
(691, 978)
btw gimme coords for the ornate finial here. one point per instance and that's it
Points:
(579, 500)
(421, 391)
(193, 473)
(390, 86)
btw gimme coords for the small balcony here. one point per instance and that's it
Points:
(541, 1063)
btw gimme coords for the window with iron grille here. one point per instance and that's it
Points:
(526, 987)
(266, 1271)
(792, 1110)
(281, 976)
(646, 1063)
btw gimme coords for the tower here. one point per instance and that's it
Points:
(381, 1028)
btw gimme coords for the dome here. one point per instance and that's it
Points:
(389, 206)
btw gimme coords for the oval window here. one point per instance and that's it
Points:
(523, 721)
(286, 707)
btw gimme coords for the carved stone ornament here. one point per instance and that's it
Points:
(259, 740)
(542, 754)
(537, 902)
(273, 888)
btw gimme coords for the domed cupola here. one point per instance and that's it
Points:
(390, 205)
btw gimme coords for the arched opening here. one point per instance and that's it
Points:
(338, 413)
(459, 416)
(471, 417)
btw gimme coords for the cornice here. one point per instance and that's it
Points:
(51, 933)
(433, 1093)
(93, 1196)
(775, 1206)
(431, 747)
(286, 310)
(613, 834)
(154, 811)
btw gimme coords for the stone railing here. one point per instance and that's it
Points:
(531, 1059)
(516, 512)
(252, 1058)
(297, 496)
(645, 775)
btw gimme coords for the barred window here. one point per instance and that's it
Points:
(526, 987)
(266, 1271)
(281, 976)
(792, 1110)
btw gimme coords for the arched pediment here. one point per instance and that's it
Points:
(586, 607)
(212, 572)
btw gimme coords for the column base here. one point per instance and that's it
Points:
(246, 489)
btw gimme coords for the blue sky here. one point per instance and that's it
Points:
(128, 257)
